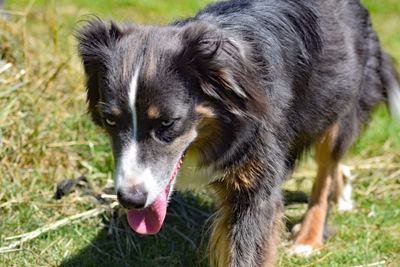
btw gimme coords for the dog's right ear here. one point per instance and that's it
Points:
(95, 41)
(224, 68)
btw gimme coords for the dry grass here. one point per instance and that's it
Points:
(46, 137)
(44, 133)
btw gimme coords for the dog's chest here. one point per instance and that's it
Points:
(191, 176)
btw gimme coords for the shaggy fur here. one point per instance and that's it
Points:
(244, 87)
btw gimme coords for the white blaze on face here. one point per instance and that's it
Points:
(129, 173)
(132, 100)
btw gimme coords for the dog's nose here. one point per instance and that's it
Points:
(129, 200)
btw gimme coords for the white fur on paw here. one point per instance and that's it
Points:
(296, 229)
(344, 205)
(346, 172)
(302, 251)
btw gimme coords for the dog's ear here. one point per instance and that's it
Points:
(223, 67)
(95, 41)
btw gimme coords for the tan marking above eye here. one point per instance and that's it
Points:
(204, 110)
(116, 111)
(153, 112)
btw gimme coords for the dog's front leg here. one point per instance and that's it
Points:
(248, 222)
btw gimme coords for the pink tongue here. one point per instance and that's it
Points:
(149, 220)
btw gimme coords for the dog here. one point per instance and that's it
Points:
(237, 94)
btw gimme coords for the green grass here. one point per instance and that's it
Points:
(46, 136)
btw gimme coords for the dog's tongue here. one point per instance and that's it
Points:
(149, 220)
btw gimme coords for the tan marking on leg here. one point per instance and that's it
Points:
(338, 183)
(233, 182)
(220, 246)
(271, 250)
(153, 112)
(310, 234)
(244, 177)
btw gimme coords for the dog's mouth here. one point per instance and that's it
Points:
(148, 221)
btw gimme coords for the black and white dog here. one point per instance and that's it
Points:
(242, 90)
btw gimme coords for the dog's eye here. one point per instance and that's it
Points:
(167, 123)
(110, 122)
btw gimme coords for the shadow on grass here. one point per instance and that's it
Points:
(182, 240)
(291, 197)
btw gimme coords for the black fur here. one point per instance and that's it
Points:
(277, 74)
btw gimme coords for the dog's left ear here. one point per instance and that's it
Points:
(223, 67)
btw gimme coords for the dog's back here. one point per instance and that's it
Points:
(321, 59)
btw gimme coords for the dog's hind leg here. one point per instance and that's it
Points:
(342, 189)
(329, 185)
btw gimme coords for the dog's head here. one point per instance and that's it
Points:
(159, 91)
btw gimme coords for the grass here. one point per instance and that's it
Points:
(46, 137)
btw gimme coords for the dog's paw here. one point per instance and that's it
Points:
(296, 229)
(302, 250)
(347, 173)
(345, 202)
